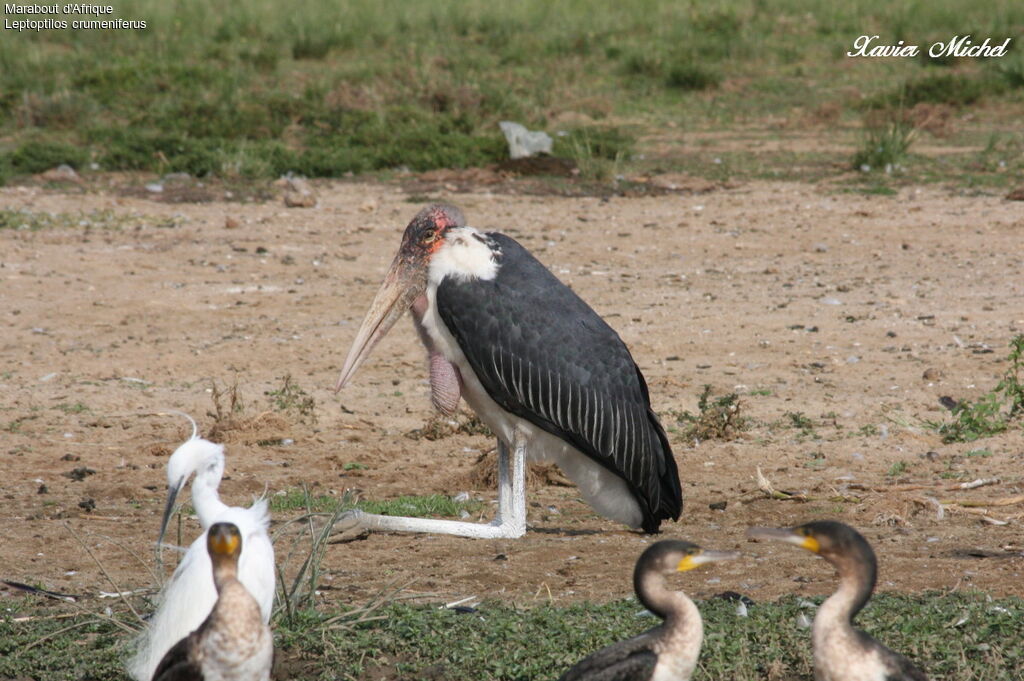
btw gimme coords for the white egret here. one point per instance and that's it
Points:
(189, 596)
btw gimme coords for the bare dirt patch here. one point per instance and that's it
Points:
(839, 319)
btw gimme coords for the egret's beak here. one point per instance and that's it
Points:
(785, 534)
(172, 495)
(698, 559)
(404, 282)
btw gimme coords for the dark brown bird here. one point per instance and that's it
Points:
(233, 643)
(667, 652)
(841, 651)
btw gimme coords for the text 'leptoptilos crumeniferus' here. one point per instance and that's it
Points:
(537, 365)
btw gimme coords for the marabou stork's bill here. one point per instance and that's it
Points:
(669, 651)
(537, 365)
(233, 643)
(841, 651)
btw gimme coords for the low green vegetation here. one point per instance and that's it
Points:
(885, 146)
(717, 418)
(424, 506)
(991, 413)
(329, 88)
(951, 635)
(32, 221)
(290, 398)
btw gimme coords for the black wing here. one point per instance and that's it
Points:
(629, 660)
(177, 665)
(902, 669)
(544, 355)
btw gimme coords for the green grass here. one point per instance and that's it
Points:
(326, 88)
(24, 220)
(885, 146)
(425, 506)
(993, 412)
(951, 635)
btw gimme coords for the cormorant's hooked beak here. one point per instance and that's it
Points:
(697, 559)
(404, 282)
(786, 534)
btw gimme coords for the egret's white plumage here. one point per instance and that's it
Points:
(190, 595)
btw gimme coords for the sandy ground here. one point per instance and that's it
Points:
(858, 312)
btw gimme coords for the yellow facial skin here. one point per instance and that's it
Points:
(688, 563)
(224, 543)
(811, 544)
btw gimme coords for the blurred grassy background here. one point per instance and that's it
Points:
(255, 88)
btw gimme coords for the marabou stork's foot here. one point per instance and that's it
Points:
(496, 529)
(508, 523)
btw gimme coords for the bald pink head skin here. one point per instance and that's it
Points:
(404, 283)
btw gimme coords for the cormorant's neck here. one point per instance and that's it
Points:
(672, 606)
(225, 571)
(857, 574)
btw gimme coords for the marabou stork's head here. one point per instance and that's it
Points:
(404, 283)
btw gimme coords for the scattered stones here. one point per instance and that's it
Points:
(1016, 194)
(231, 223)
(299, 194)
(79, 474)
(932, 374)
(718, 505)
(62, 173)
(88, 505)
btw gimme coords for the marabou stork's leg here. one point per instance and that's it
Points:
(509, 522)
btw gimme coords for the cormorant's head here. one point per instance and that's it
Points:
(224, 543)
(836, 542)
(404, 282)
(673, 555)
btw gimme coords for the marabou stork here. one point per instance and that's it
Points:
(841, 651)
(537, 365)
(233, 643)
(669, 651)
(188, 597)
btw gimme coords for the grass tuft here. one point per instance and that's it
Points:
(993, 412)
(885, 145)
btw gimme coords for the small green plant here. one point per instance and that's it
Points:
(597, 152)
(993, 412)
(291, 398)
(800, 421)
(897, 469)
(885, 145)
(979, 453)
(717, 418)
(76, 408)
